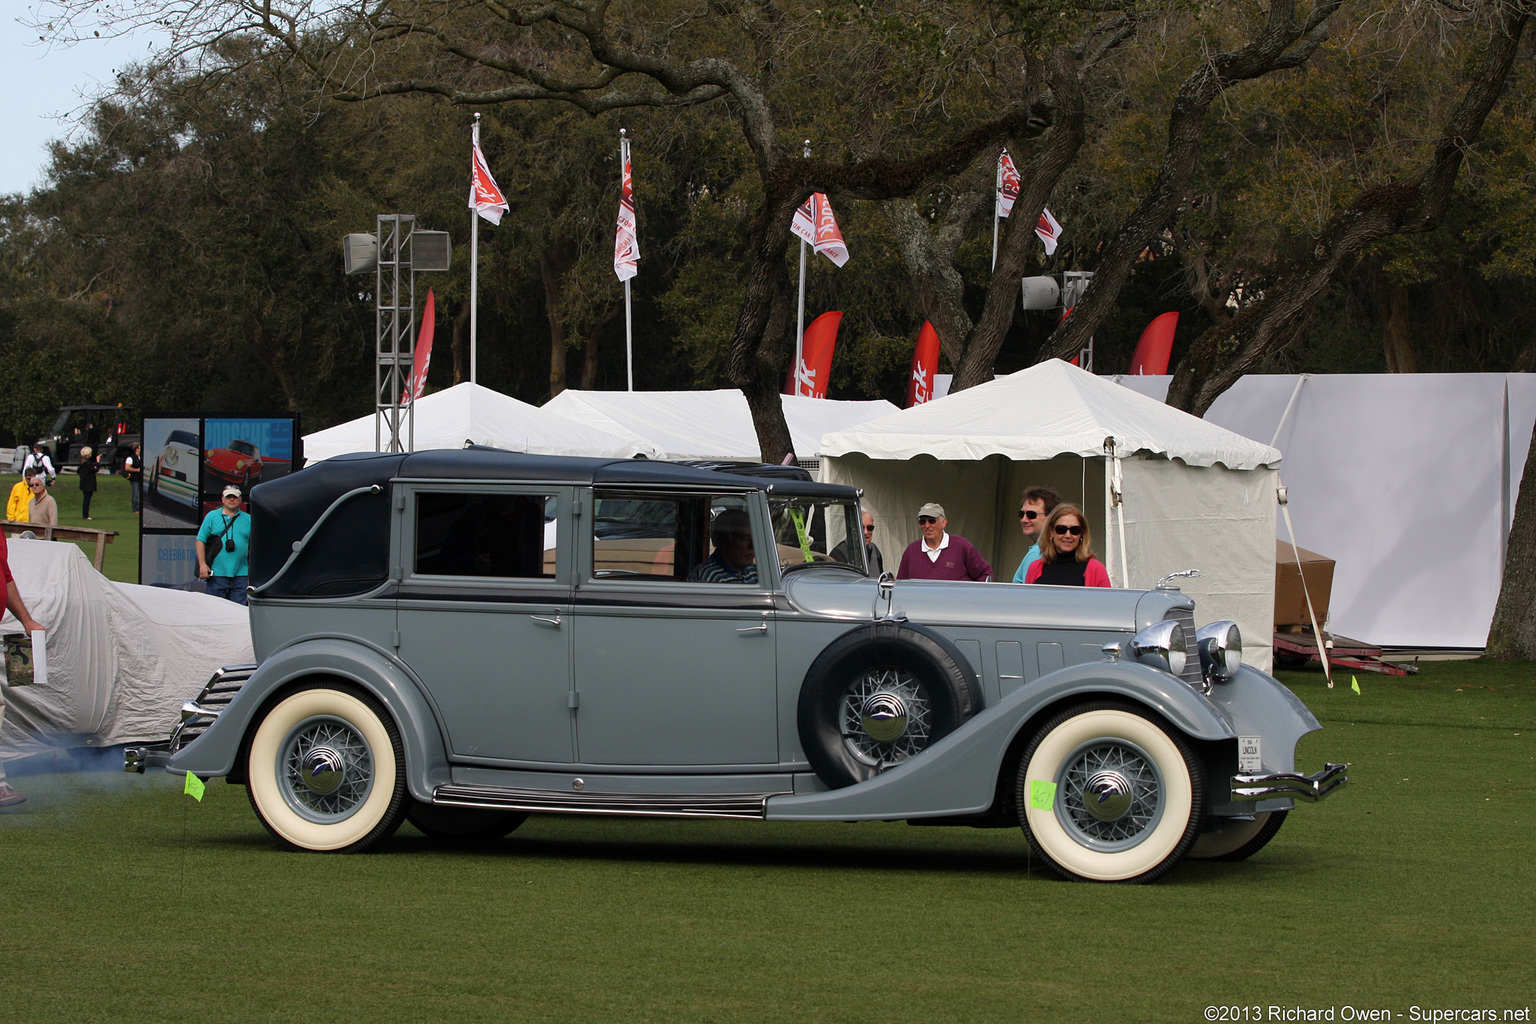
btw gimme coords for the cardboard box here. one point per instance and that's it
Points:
(1290, 602)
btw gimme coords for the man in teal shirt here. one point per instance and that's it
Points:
(224, 548)
(1038, 503)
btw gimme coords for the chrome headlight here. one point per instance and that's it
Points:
(1161, 645)
(1221, 650)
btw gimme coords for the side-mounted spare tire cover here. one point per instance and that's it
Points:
(880, 694)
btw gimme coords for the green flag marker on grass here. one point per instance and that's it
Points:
(194, 787)
(1354, 684)
(1042, 794)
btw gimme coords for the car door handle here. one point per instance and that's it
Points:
(761, 627)
(555, 621)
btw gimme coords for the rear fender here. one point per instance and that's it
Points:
(958, 774)
(213, 753)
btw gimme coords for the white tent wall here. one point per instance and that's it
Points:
(1407, 481)
(1208, 518)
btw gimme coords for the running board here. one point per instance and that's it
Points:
(690, 805)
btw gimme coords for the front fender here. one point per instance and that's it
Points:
(958, 774)
(213, 753)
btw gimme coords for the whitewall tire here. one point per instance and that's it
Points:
(1107, 794)
(326, 771)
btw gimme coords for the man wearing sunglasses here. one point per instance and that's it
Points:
(939, 555)
(1038, 503)
(874, 562)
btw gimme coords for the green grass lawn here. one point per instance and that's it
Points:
(122, 899)
(111, 509)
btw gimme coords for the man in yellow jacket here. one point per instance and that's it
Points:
(16, 505)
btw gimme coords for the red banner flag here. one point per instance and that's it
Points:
(815, 224)
(418, 382)
(626, 244)
(484, 197)
(1008, 184)
(925, 363)
(1049, 231)
(1155, 346)
(816, 350)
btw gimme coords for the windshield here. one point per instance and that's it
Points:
(817, 530)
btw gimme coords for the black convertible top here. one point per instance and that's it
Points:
(349, 554)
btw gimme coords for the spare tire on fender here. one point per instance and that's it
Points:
(880, 694)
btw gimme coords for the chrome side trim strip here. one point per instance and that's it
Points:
(691, 805)
(1312, 788)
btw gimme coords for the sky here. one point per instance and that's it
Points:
(38, 84)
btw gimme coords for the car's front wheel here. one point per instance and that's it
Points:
(326, 771)
(1105, 793)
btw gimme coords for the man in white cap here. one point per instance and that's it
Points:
(224, 548)
(940, 555)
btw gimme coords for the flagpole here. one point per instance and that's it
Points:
(800, 307)
(629, 333)
(474, 262)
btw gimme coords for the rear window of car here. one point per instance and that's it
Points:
(486, 535)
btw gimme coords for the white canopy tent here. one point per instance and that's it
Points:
(709, 424)
(121, 658)
(1192, 495)
(1408, 481)
(471, 412)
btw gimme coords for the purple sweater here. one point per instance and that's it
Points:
(958, 561)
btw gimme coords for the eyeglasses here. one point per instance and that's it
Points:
(1028, 513)
(1062, 529)
(926, 519)
(870, 528)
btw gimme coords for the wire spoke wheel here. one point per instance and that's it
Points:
(1111, 793)
(327, 769)
(886, 717)
(1108, 793)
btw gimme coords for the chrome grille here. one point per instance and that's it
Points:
(1192, 675)
(215, 696)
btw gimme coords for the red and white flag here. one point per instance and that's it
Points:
(815, 224)
(423, 358)
(1049, 231)
(925, 362)
(1008, 184)
(626, 244)
(484, 197)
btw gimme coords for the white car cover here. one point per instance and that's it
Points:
(121, 658)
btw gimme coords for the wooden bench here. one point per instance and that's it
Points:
(101, 537)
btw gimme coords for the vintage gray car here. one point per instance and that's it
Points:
(461, 638)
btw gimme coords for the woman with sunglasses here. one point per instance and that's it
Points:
(1066, 552)
(41, 508)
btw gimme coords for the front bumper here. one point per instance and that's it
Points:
(1311, 788)
(196, 716)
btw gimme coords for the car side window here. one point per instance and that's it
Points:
(663, 536)
(460, 533)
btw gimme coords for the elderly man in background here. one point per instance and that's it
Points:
(940, 555)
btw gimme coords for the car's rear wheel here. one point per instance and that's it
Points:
(462, 823)
(879, 695)
(1107, 794)
(326, 771)
(1238, 839)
